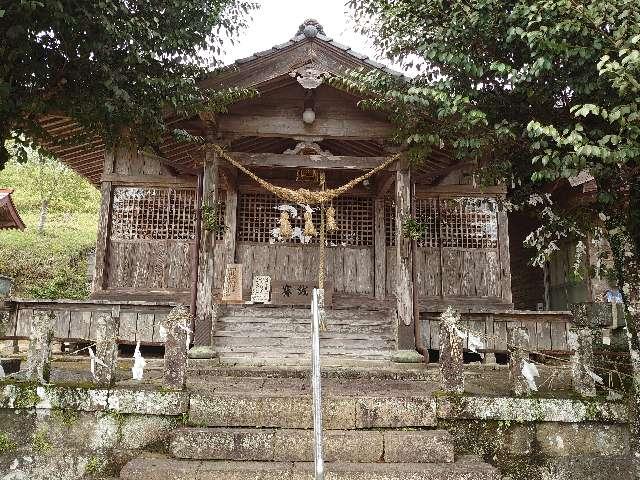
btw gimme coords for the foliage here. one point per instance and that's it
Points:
(43, 179)
(211, 220)
(531, 91)
(53, 265)
(6, 444)
(109, 65)
(413, 229)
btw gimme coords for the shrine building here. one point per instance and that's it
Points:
(157, 248)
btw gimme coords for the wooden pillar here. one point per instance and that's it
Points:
(230, 214)
(100, 273)
(505, 259)
(206, 270)
(380, 250)
(404, 284)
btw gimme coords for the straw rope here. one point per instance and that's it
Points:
(301, 195)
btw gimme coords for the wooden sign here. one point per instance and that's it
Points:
(298, 293)
(261, 289)
(232, 287)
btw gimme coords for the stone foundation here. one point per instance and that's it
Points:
(69, 432)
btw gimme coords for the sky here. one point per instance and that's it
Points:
(278, 20)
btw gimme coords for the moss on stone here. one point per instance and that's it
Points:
(6, 444)
(26, 396)
(95, 466)
(41, 442)
(65, 417)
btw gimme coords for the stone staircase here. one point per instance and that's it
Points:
(242, 428)
(282, 335)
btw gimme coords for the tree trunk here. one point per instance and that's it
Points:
(44, 209)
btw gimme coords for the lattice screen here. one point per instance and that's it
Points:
(469, 222)
(154, 214)
(258, 216)
(390, 222)
(427, 213)
(466, 222)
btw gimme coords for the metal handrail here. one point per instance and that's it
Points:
(316, 387)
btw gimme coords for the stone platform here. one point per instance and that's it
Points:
(382, 422)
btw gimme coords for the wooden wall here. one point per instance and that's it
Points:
(126, 264)
(350, 269)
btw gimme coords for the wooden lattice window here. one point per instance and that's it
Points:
(154, 214)
(460, 222)
(469, 222)
(259, 218)
(390, 222)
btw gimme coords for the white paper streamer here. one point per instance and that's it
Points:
(530, 372)
(597, 378)
(95, 360)
(138, 364)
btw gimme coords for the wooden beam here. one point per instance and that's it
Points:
(383, 183)
(205, 307)
(289, 126)
(149, 180)
(308, 161)
(230, 177)
(380, 250)
(404, 284)
(100, 272)
(469, 190)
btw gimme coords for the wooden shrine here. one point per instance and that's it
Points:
(153, 241)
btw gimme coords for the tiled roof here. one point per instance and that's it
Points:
(9, 217)
(299, 38)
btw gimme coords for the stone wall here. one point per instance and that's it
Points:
(83, 431)
(58, 433)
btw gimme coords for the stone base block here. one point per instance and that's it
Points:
(163, 469)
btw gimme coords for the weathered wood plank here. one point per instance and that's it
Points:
(23, 327)
(308, 161)
(505, 261)
(404, 284)
(144, 327)
(380, 249)
(78, 327)
(128, 321)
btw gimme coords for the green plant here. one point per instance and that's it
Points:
(66, 417)
(95, 465)
(211, 219)
(41, 443)
(413, 229)
(6, 444)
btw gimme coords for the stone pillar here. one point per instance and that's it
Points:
(580, 341)
(451, 359)
(106, 349)
(518, 344)
(39, 355)
(177, 326)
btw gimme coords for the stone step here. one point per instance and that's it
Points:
(285, 409)
(165, 469)
(285, 315)
(299, 327)
(349, 341)
(356, 369)
(295, 445)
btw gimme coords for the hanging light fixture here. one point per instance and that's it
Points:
(309, 115)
